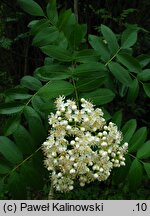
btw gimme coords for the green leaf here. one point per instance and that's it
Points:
(110, 38)
(17, 93)
(135, 175)
(146, 87)
(107, 115)
(23, 140)
(52, 72)
(38, 25)
(51, 10)
(55, 88)
(90, 70)
(30, 112)
(4, 169)
(89, 84)
(144, 75)
(143, 60)
(144, 151)
(1, 186)
(129, 129)
(17, 186)
(101, 48)
(77, 35)
(35, 124)
(122, 89)
(62, 41)
(11, 108)
(86, 56)
(129, 62)
(48, 61)
(66, 22)
(109, 81)
(11, 125)
(31, 7)
(120, 73)
(133, 91)
(10, 151)
(31, 83)
(32, 175)
(117, 118)
(138, 139)
(57, 53)
(43, 107)
(119, 175)
(100, 96)
(128, 38)
(46, 36)
(147, 168)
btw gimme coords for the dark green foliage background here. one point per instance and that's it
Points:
(102, 57)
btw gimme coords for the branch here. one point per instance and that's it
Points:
(76, 9)
(8, 5)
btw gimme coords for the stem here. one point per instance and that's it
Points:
(113, 57)
(37, 93)
(135, 157)
(15, 168)
(131, 155)
(26, 58)
(51, 192)
(138, 79)
(76, 9)
(76, 93)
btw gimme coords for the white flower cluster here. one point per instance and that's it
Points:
(80, 146)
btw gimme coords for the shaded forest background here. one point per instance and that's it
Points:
(18, 57)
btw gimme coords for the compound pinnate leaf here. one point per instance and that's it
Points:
(120, 73)
(146, 87)
(138, 139)
(144, 151)
(128, 38)
(10, 151)
(11, 108)
(110, 38)
(100, 96)
(55, 88)
(31, 7)
(129, 129)
(57, 53)
(135, 174)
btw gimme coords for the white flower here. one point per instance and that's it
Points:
(104, 144)
(105, 133)
(81, 146)
(86, 119)
(68, 127)
(60, 174)
(105, 127)
(58, 113)
(100, 134)
(72, 171)
(71, 187)
(122, 163)
(95, 175)
(72, 142)
(62, 109)
(77, 139)
(101, 169)
(74, 107)
(82, 184)
(104, 154)
(82, 129)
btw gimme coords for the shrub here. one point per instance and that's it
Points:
(107, 73)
